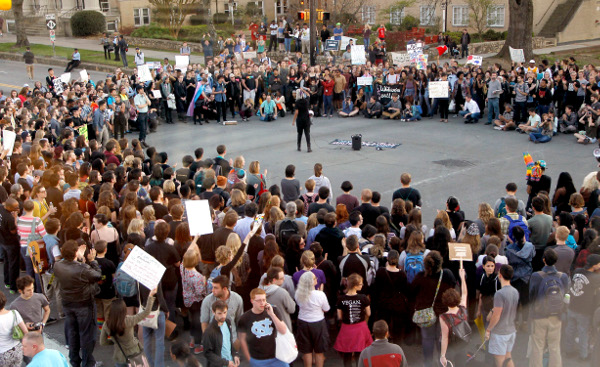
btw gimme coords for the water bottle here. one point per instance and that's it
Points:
(567, 298)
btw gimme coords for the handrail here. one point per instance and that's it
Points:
(546, 12)
(570, 14)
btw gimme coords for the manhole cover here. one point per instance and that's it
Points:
(454, 163)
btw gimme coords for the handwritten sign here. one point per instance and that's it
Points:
(459, 251)
(346, 42)
(249, 55)
(438, 89)
(414, 49)
(181, 62)
(332, 45)
(422, 62)
(516, 54)
(364, 80)
(156, 93)
(475, 60)
(358, 55)
(144, 73)
(400, 58)
(385, 92)
(8, 141)
(144, 268)
(198, 216)
(83, 130)
(83, 74)
(153, 65)
(66, 78)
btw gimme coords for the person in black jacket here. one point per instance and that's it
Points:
(217, 335)
(180, 97)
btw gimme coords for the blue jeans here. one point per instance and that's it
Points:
(542, 109)
(80, 327)
(29, 270)
(366, 41)
(578, 326)
(143, 125)
(158, 359)
(539, 137)
(288, 44)
(267, 117)
(327, 105)
(474, 117)
(430, 341)
(493, 109)
(273, 362)
(124, 58)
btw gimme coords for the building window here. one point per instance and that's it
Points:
(397, 16)
(368, 14)
(281, 6)
(141, 16)
(495, 16)
(111, 26)
(104, 5)
(229, 6)
(11, 27)
(427, 15)
(460, 16)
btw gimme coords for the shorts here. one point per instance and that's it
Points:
(312, 337)
(338, 96)
(500, 345)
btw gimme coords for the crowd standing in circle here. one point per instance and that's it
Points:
(290, 256)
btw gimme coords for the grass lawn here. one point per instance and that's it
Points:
(590, 55)
(96, 57)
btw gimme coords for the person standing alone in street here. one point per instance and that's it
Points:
(29, 57)
(123, 46)
(302, 118)
(141, 103)
(465, 39)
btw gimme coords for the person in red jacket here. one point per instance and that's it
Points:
(382, 353)
(328, 84)
(381, 32)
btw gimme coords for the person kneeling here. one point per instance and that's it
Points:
(268, 110)
(348, 109)
(374, 108)
(470, 111)
(209, 109)
(247, 110)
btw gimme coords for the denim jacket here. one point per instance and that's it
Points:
(520, 259)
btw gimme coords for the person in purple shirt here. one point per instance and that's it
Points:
(308, 263)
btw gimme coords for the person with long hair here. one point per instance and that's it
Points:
(119, 329)
(457, 313)
(40, 206)
(194, 291)
(564, 189)
(180, 353)
(443, 216)
(308, 265)
(487, 285)
(484, 214)
(312, 335)
(11, 350)
(353, 310)
(102, 232)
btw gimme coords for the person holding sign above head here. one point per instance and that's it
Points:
(453, 345)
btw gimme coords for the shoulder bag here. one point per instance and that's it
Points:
(286, 349)
(150, 321)
(426, 317)
(139, 360)
(17, 332)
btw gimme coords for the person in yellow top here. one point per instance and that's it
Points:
(40, 207)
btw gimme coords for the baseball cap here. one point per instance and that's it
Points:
(339, 23)
(532, 61)
(25, 85)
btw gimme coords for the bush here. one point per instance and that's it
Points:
(220, 18)
(87, 23)
(198, 19)
(153, 31)
(492, 35)
(409, 22)
(455, 36)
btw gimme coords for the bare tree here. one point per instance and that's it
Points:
(172, 13)
(17, 8)
(520, 28)
(399, 5)
(479, 13)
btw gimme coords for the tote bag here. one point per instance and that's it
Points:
(150, 321)
(286, 349)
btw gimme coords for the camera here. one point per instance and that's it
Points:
(37, 326)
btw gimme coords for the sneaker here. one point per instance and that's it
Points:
(497, 128)
(192, 345)
(488, 123)
(199, 349)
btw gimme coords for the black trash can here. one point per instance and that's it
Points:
(356, 142)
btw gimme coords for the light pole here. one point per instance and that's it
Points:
(313, 31)
(445, 13)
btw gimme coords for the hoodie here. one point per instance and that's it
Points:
(520, 259)
(281, 299)
(322, 181)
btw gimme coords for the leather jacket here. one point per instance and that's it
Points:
(78, 282)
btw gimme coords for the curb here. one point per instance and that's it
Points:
(53, 61)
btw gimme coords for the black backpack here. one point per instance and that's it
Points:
(287, 229)
(460, 330)
(550, 295)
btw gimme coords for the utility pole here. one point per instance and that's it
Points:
(313, 31)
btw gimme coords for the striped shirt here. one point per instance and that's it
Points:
(24, 228)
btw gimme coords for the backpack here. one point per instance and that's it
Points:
(502, 208)
(517, 222)
(217, 167)
(370, 271)
(287, 229)
(307, 201)
(262, 189)
(413, 265)
(232, 178)
(213, 274)
(460, 330)
(550, 295)
(124, 284)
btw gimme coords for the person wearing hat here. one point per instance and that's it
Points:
(532, 68)
(536, 184)
(139, 57)
(75, 61)
(582, 292)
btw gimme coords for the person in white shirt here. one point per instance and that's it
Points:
(470, 111)
(305, 38)
(139, 57)
(532, 124)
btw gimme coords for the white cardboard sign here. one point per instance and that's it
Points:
(438, 89)
(8, 141)
(144, 74)
(358, 55)
(83, 74)
(66, 78)
(144, 268)
(516, 54)
(364, 80)
(198, 216)
(400, 58)
(181, 62)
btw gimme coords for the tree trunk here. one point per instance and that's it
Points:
(17, 8)
(520, 29)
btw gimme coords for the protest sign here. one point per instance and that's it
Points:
(8, 141)
(346, 42)
(516, 54)
(143, 267)
(414, 49)
(422, 62)
(83, 74)
(400, 58)
(198, 216)
(385, 92)
(364, 80)
(66, 78)
(438, 89)
(181, 62)
(249, 54)
(153, 65)
(144, 73)
(358, 55)
(475, 60)
(83, 130)
(156, 93)
(460, 251)
(58, 88)
(332, 45)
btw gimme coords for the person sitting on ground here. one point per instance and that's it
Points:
(374, 108)
(506, 121)
(533, 123)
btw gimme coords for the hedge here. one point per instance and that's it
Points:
(87, 23)
(191, 33)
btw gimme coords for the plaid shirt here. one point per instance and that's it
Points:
(504, 223)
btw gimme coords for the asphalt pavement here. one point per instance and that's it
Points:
(470, 162)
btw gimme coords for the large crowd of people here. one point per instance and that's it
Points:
(340, 272)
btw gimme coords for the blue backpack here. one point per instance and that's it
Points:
(213, 274)
(124, 284)
(413, 265)
(517, 222)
